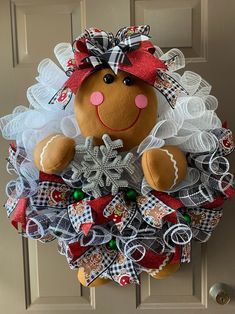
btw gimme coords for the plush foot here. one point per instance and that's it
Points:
(166, 271)
(164, 167)
(53, 154)
(97, 282)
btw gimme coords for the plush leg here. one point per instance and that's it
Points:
(95, 283)
(166, 271)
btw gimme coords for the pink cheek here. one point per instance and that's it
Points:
(96, 98)
(141, 101)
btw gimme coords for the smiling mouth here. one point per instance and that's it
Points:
(117, 130)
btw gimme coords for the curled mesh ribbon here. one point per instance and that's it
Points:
(135, 239)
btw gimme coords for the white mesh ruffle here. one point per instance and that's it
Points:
(63, 53)
(187, 126)
(194, 114)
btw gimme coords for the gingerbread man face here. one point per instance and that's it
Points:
(121, 105)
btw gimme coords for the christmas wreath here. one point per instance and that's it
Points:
(118, 157)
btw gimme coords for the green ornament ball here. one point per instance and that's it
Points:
(57, 233)
(131, 194)
(112, 244)
(187, 218)
(78, 195)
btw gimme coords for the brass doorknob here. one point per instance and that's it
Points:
(219, 292)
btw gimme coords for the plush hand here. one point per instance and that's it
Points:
(164, 167)
(53, 154)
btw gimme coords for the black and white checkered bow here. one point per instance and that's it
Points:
(104, 48)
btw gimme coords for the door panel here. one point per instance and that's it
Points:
(33, 276)
(185, 289)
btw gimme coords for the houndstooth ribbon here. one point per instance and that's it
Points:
(135, 241)
(139, 244)
(123, 270)
(169, 87)
(146, 231)
(153, 210)
(52, 195)
(205, 219)
(80, 214)
(119, 212)
(225, 138)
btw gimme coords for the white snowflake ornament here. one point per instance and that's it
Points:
(101, 166)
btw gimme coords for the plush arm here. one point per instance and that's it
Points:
(54, 153)
(164, 167)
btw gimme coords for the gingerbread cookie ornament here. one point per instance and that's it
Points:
(123, 106)
(119, 161)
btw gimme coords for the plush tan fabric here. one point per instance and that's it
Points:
(97, 282)
(166, 271)
(54, 152)
(119, 117)
(118, 110)
(158, 167)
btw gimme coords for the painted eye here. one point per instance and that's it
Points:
(128, 81)
(108, 78)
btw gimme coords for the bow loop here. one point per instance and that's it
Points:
(132, 42)
(129, 31)
(96, 36)
(94, 48)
